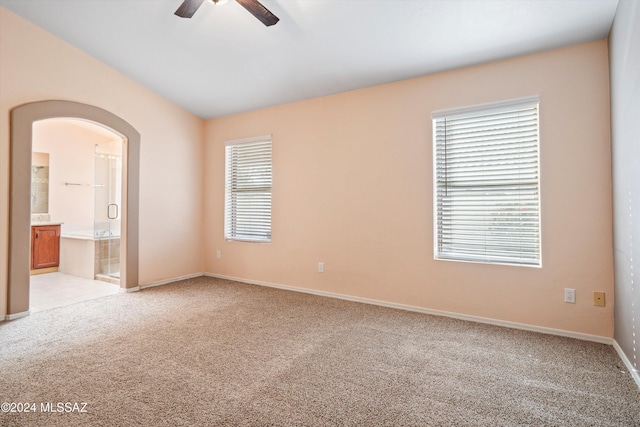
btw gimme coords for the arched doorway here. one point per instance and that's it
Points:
(21, 132)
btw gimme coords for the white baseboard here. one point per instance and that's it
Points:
(167, 281)
(17, 315)
(634, 372)
(129, 290)
(486, 320)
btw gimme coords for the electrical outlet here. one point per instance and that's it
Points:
(218, 254)
(570, 295)
(598, 299)
(321, 267)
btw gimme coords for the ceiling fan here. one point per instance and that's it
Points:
(189, 7)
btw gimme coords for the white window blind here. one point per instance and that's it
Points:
(487, 183)
(248, 189)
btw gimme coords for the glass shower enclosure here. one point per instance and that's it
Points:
(108, 197)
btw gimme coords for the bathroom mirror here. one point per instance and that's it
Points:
(40, 183)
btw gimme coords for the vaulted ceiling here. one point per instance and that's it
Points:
(224, 61)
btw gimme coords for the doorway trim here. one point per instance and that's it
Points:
(22, 118)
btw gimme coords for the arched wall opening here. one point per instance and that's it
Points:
(21, 134)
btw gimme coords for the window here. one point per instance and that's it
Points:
(487, 183)
(247, 213)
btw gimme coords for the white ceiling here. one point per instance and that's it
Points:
(224, 61)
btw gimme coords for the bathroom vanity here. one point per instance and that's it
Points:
(45, 246)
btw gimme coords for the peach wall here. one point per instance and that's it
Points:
(34, 66)
(352, 187)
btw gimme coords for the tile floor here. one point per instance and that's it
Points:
(58, 290)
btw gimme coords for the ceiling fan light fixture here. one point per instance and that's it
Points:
(254, 7)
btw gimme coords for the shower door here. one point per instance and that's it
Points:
(108, 188)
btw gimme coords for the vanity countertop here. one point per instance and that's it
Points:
(43, 223)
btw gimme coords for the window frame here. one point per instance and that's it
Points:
(227, 227)
(470, 111)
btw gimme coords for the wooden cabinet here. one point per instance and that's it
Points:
(45, 246)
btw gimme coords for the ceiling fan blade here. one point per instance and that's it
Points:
(259, 11)
(188, 8)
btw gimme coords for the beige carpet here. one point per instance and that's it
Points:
(212, 352)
